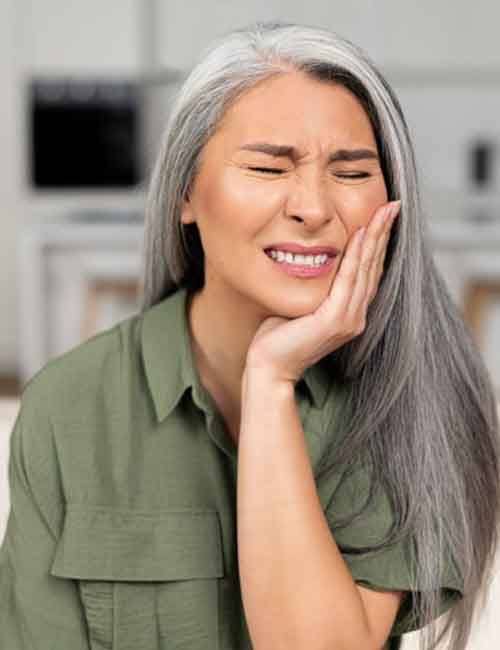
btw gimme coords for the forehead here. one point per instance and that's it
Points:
(294, 104)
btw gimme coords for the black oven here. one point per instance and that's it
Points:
(84, 134)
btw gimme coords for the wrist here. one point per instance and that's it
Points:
(259, 380)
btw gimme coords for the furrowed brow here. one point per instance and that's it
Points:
(286, 151)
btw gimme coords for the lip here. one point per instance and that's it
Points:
(302, 271)
(292, 247)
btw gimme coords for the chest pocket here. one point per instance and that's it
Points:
(148, 580)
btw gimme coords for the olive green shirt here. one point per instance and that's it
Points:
(122, 476)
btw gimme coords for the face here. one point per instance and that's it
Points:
(244, 201)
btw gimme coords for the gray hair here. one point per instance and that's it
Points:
(421, 409)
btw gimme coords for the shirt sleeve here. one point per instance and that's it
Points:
(37, 610)
(391, 568)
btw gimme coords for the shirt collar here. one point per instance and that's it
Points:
(169, 361)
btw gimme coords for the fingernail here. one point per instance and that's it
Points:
(393, 209)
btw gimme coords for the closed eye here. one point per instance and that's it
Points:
(358, 175)
(266, 169)
(275, 170)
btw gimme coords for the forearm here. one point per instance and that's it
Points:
(297, 590)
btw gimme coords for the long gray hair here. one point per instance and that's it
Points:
(421, 406)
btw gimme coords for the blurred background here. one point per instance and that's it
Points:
(86, 92)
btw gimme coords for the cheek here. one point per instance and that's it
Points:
(358, 206)
(233, 202)
(242, 208)
(218, 202)
(267, 192)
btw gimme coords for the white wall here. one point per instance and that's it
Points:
(10, 179)
(88, 36)
(185, 28)
(427, 33)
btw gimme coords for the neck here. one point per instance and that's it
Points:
(221, 330)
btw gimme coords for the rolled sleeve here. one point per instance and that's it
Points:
(37, 610)
(392, 568)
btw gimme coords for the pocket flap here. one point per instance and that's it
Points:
(104, 543)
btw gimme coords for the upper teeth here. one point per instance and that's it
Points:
(291, 258)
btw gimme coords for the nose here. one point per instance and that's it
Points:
(307, 200)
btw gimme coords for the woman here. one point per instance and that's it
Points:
(279, 451)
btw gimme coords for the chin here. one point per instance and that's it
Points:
(300, 304)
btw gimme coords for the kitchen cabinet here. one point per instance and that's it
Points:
(58, 263)
(467, 253)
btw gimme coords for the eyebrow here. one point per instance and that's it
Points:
(280, 150)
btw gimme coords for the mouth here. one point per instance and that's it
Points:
(300, 267)
(305, 260)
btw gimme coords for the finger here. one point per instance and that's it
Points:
(345, 278)
(368, 259)
(377, 270)
(378, 263)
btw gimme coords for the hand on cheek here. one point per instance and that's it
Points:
(285, 348)
(368, 264)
